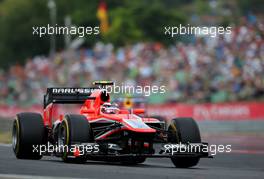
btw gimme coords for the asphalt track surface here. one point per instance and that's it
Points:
(231, 165)
(245, 161)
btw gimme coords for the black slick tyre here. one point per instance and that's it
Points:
(184, 130)
(28, 132)
(74, 129)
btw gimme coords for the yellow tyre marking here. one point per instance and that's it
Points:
(17, 135)
(68, 131)
(174, 128)
(67, 138)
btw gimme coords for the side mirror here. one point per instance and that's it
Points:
(138, 111)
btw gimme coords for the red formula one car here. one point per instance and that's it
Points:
(102, 131)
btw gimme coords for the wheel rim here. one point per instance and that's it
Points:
(62, 136)
(15, 137)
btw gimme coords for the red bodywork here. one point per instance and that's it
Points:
(91, 110)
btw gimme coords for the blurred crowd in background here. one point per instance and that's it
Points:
(222, 69)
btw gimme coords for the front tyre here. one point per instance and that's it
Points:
(28, 132)
(184, 130)
(74, 129)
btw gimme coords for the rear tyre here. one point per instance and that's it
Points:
(184, 130)
(74, 129)
(28, 131)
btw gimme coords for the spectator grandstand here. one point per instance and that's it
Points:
(225, 68)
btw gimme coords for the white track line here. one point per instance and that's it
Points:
(15, 176)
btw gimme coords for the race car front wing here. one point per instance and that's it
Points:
(169, 150)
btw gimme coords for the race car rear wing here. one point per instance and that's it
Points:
(67, 95)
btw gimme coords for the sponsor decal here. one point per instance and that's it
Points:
(72, 90)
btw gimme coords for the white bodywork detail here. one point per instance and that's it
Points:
(136, 122)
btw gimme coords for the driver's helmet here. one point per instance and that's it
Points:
(109, 108)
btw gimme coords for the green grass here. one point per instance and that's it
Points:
(5, 137)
